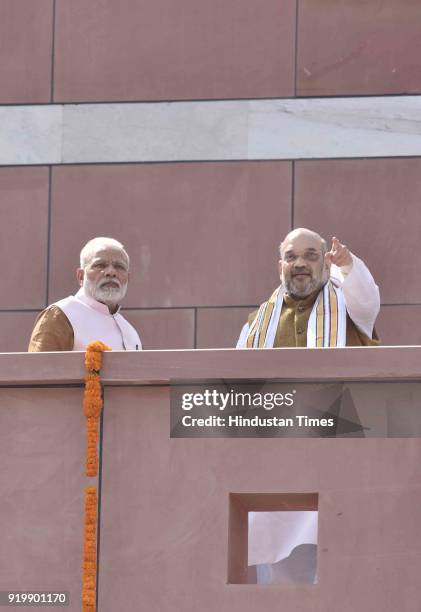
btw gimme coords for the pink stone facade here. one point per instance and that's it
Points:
(172, 509)
(203, 235)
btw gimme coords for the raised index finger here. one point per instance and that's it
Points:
(335, 244)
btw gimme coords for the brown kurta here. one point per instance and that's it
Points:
(52, 332)
(292, 327)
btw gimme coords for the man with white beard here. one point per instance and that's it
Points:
(93, 313)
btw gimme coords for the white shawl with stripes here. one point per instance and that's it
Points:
(326, 325)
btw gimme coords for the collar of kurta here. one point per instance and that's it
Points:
(305, 301)
(89, 301)
(326, 325)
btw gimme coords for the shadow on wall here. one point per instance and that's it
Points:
(299, 568)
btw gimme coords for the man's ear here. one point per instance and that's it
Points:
(80, 275)
(280, 267)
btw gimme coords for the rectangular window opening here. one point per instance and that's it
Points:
(273, 538)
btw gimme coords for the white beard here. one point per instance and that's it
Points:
(111, 296)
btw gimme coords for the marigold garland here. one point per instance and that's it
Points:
(92, 407)
(89, 551)
(92, 403)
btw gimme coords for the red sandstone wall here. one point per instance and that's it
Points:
(203, 236)
(165, 505)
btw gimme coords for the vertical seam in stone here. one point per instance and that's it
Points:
(53, 53)
(296, 47)
(292, 195)
(195, 329)
(47, 284)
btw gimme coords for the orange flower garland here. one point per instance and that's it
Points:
(92, 407)
(92, 403)
(89, 551)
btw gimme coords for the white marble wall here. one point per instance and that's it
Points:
(31, 134)
(219, 130)
(165, 131)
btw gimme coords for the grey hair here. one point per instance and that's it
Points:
(99, 244)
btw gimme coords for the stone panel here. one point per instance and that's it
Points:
(169, 539)
(26, 34)
(354, 48)
(42, 481)
(181, 131)
(23, 247)
(221, 327)
(386, 126)
(198, 234)
(31, 134)
(163, 329)
(400, 325)
(15, 331)
(372, 206)
(165, 50)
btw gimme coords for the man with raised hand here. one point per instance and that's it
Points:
(93, 313)
(326, 298)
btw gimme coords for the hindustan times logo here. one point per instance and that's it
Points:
(216, 399)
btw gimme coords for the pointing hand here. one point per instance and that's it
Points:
(338, 254)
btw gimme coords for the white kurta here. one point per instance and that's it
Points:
(91, 320)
